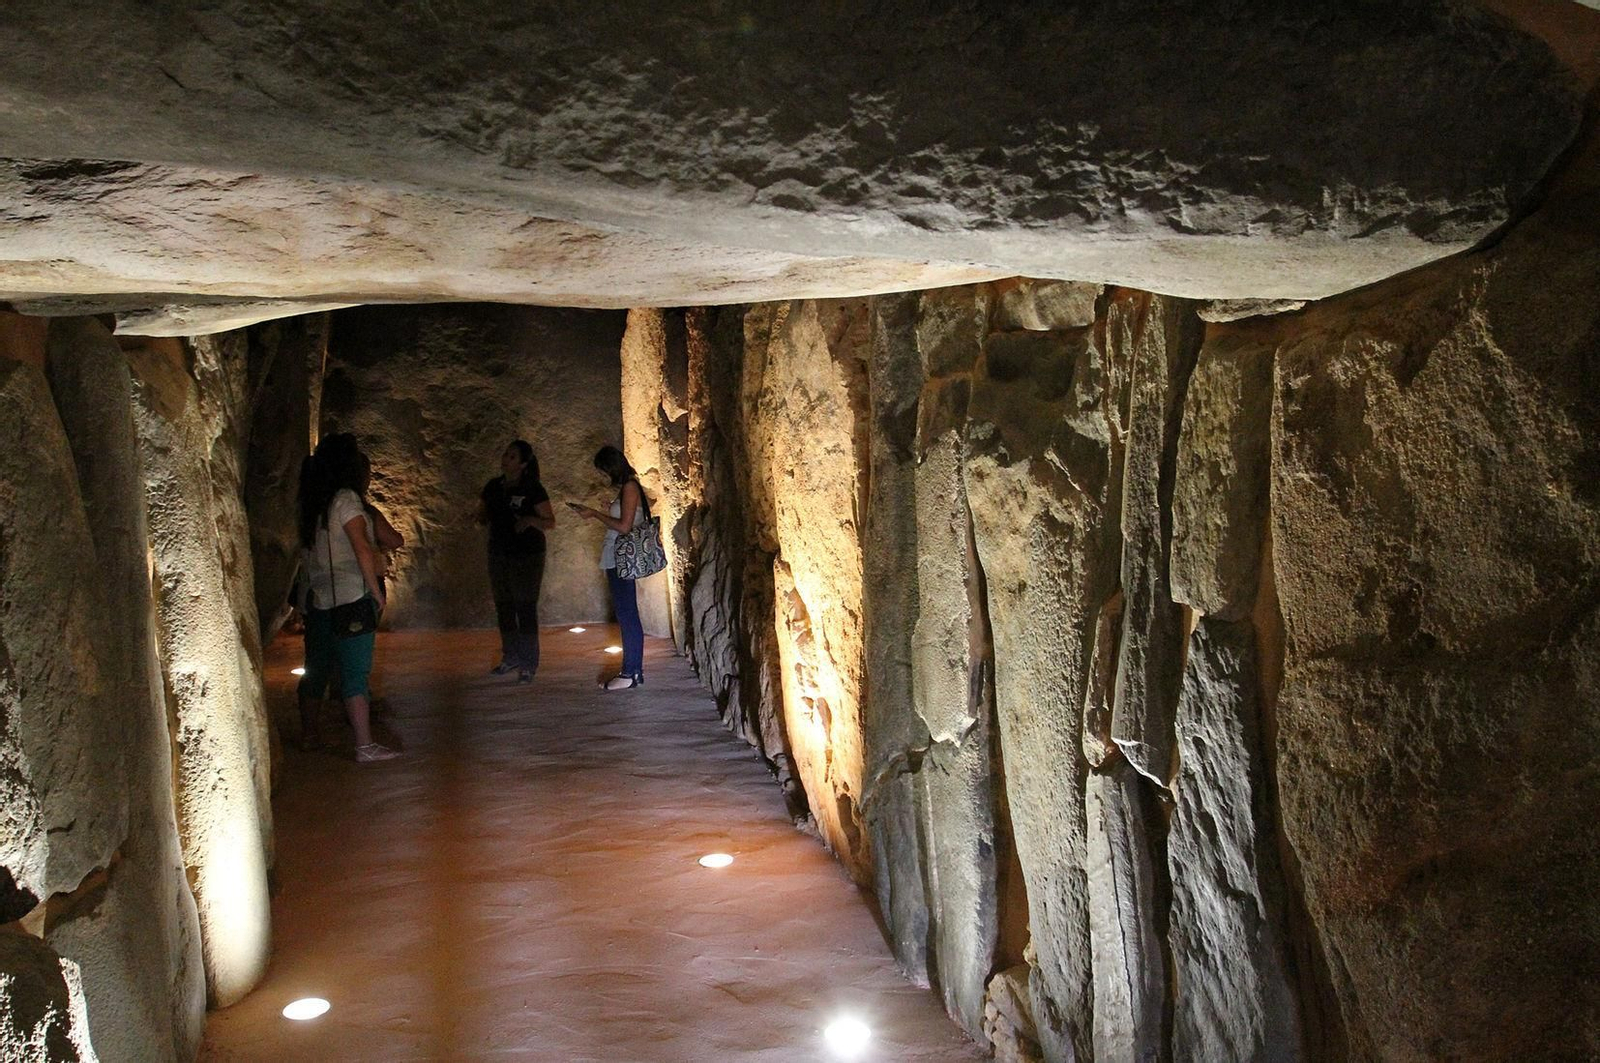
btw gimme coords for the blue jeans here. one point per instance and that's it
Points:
(625, 599)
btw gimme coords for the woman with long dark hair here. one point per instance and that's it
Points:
(340, 565)
(517, 510)
(627, 513)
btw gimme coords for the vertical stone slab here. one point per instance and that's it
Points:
(734, 645)
(223, 765)
(1098, 697)
(896, 738)
(1235, 999)
(1436, 510)
(220, 364)
(644, 359)
(952, 684)
(1160, 338)
(808, 447)
(138, 943)
(1130, 975)
(1038, 477)
(67, 807)
(1219, 498)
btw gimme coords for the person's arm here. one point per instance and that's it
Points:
(542, 517)
(388, 538)
(630, 502)
(356, 530)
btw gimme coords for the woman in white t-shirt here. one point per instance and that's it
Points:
(339, 560)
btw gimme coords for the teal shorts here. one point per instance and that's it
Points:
(324, 651)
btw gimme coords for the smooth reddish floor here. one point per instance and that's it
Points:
(523, 885)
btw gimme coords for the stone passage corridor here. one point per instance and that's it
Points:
(523, 884)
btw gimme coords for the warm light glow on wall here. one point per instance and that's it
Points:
(235, 912)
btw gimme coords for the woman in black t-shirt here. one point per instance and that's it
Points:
(517, 510)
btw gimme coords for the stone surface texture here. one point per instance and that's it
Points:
(1130, 975)
(186, 414)
(1237, 999)
(435, 394)
(1161, 338)
(588, 156)
(1436, 528)
(1219, 502)
(134, 934)
(42, 1014)
(804, 387)
(67, 807)
(1330, 824)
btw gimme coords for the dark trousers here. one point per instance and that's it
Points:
(625, 600)
(514, 581)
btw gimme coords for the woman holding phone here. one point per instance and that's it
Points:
(627, 512)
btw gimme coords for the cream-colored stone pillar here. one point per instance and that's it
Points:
(223, 764)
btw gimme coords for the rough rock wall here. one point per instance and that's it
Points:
(1283, 634)
(136, 938)
(435, 393)
(187, 408)
(1436, 531)
(91, 859)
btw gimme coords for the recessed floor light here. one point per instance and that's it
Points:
(715, 860)
(306, 1008)
(297, 671)
(847, 1037)
(613, 649)
(577, 630)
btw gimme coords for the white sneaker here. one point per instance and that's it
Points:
(625, 682)
(374, 751)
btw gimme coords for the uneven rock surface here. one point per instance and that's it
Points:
(1355, 788)
(435, 394)
(1081, 143)
(66, 808)
(134, 934)
(1219, 501)
(1236, 1000)
(804, 388)
(200, 564)
(1130, 976)
(1159, 338)
(1437, 461)
(42, 1014)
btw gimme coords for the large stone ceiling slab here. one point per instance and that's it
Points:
(617, 155)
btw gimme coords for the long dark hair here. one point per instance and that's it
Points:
(611, 461)
(529, 459)
(338, 465)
